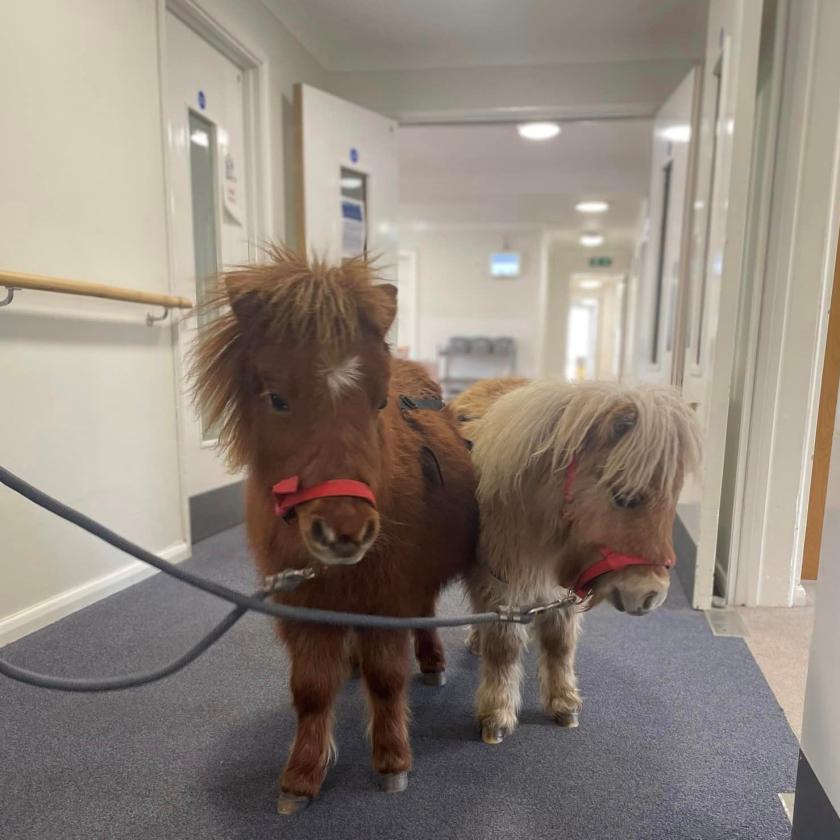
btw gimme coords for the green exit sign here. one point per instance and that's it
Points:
(600, 262)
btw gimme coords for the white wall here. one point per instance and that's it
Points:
(88, 391)
(457, 296)
(821, 721)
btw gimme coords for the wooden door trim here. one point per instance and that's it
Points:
(824, 433)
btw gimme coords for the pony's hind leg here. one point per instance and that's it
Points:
(472, 641)
(498, 698)
(318, 668)
(429, 652)
(385, 668)
(557, 632)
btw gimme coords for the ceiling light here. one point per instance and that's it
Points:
(589, 284)
(351, 182)
(200, 138)
(676, 133)
(592, 207)
(591, 240)
(538, 130)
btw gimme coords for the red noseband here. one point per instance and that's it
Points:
(287, 495)
(611, 560)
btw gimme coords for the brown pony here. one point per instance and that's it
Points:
(578, 486)
(299, 376)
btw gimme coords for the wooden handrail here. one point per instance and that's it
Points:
(19, 280)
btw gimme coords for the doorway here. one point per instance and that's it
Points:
(212, 223)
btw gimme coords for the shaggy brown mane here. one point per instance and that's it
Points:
(287, 298)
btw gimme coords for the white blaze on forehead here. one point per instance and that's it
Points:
(344, 376)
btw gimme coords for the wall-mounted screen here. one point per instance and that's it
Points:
(505, 264)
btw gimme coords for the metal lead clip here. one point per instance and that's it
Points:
(287, 580)
(515, 615)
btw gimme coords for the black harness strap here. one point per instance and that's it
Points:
(412, 403)
(428, 459)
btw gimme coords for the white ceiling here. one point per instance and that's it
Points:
(377, 35)
(488, 175)
(416, 34)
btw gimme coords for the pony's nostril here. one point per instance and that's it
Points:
(649, 600)
(370, 529)
(322, 533)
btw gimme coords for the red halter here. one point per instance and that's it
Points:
(611, 560)
(287, 496)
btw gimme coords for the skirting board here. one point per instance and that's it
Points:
(39, 615)
(217, 510)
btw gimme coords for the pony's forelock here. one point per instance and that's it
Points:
(537, 430)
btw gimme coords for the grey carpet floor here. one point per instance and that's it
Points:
(680, 738)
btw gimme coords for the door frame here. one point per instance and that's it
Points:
(735, 181)
(254, 67)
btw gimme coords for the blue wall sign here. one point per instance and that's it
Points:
(354, 155)
(202, 100)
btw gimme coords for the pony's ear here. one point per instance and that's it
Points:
(383, 308)
(245, 304)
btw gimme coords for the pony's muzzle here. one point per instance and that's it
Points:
(639, 590)
(338, 531)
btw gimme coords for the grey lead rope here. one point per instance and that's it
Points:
(244, 603)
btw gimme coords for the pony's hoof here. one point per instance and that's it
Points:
(394, 782)
(435, 678)
(568, 720)
(289, 803)
(492, 734)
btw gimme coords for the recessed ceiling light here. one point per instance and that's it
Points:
(538, 130)
(591, 240)
(676, 133)
(590, 284)
(592, 207)
(200, 138)
(351, 182)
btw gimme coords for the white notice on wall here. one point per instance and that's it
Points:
(231, 190)
(353, 229)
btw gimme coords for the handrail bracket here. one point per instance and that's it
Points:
(151, 320)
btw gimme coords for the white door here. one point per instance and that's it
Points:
(666, 266)
(349, 187)
(718, 248)
(208, 205)
(404, 340)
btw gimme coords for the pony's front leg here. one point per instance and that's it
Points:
(318, 669)
(498, 698)
(385, 668)
(557, 632)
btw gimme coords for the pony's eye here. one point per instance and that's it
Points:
(383, 403)
(278, 403)
(626, 502)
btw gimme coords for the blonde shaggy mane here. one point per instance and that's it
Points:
(287, 298)
(540, 428)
